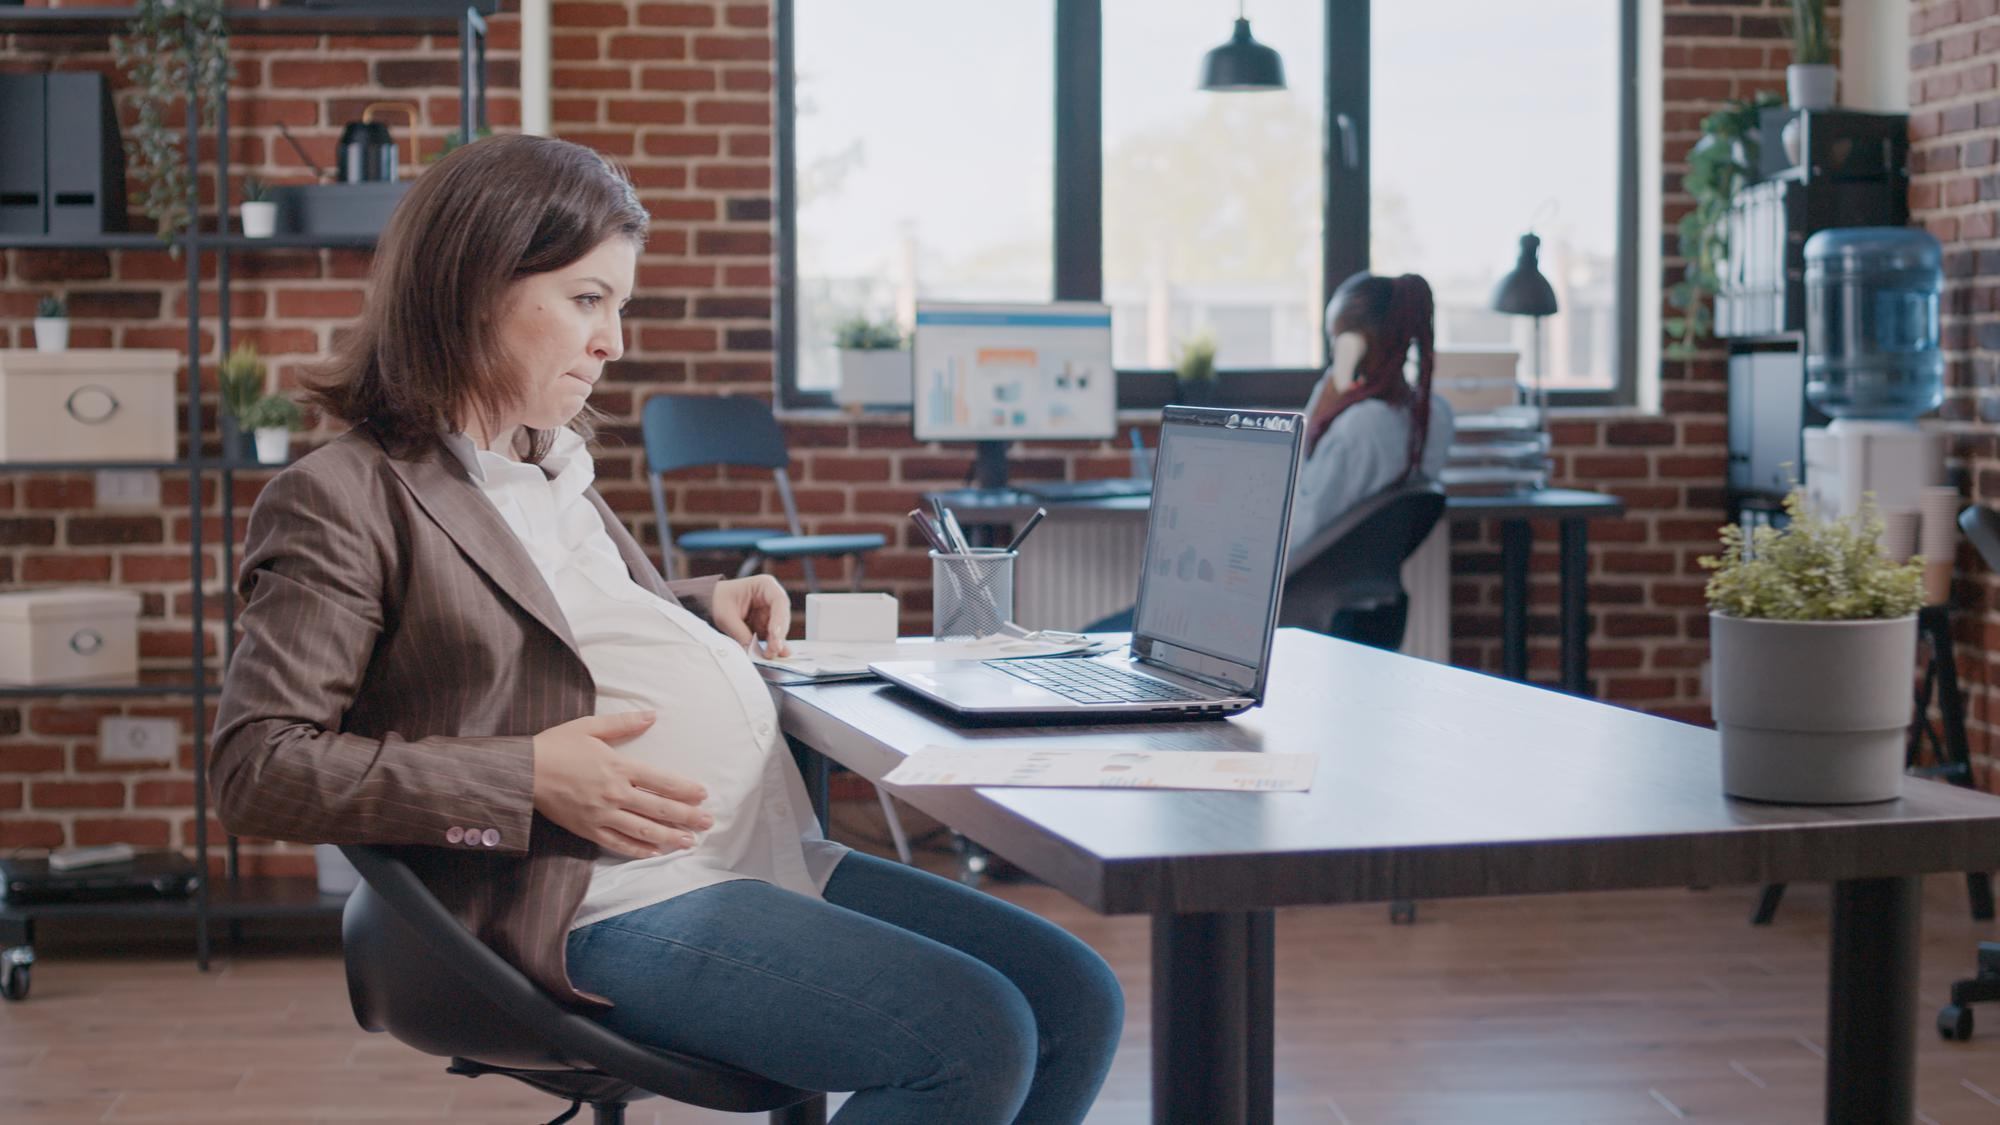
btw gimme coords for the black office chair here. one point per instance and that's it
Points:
(1981, 525)
(685, 431)
(1347, 581)
(417, 973)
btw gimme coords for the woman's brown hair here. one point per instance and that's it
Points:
(426, 355)
(1395, 314)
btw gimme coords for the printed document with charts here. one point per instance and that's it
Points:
(1108, 769)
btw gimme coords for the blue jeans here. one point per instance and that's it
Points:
(936, 1004)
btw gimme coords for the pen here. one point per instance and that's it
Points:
(930, 535)
(1015, 545)
(956, 533)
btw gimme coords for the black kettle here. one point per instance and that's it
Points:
(367, 153)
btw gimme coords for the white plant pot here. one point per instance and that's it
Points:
(260, 220)
(874, 378)
(1811, 86)
(51, 334)
(274, 445)
(1813, 712)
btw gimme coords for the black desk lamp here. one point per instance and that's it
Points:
(1525, 292)
(1242, 63)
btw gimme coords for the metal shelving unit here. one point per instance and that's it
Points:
(236, 898)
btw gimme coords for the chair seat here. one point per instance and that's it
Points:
(727, 538)
(799, 546)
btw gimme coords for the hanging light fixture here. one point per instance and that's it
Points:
(1242, 63)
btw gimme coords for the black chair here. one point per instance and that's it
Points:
(1347, 581)
(686, 431)
(417, 973)
(1981, 525)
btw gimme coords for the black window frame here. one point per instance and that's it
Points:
(1078, 272)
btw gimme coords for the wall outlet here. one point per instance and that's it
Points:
(128, 488)
(124, 739)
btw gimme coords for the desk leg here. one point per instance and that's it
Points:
(1871, 1045)
(1514, 546)
(1212, 1018)
(813, 771)
(1576, 607)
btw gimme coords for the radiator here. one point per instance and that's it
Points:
(1074, 571)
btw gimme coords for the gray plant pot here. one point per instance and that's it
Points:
(1813, 712)
(1811, 85)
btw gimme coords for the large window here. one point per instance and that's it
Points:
(963, 149)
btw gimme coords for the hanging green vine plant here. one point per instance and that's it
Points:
(1723, 160)
(167, 42)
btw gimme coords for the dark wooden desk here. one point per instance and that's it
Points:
(1571, 509)
(1433, 782)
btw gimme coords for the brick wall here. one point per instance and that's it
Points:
(681, 93)
(1955, 183)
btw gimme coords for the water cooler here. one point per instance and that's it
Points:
(1873, 366)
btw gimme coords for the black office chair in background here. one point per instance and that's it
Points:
(1348, 579)
(1981, 525)
(417, 973)
(688, 431)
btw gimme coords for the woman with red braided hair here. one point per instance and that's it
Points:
(1368, 426)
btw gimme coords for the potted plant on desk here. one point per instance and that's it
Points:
(52, 324)
(874, 363)
(1194, 374)
(1813, 634)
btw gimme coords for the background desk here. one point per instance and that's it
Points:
(1433, 782)
(1116, 523)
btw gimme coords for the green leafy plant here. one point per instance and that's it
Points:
(169, 46)
(1197, 361)
(255, 190)
(52, 306)
(858, 333)
(1815, 569)
(272, 412)
(453, 142)
(1721, 162)
(241, 379)
(1812, 44)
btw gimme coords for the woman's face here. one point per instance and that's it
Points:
(562, 327)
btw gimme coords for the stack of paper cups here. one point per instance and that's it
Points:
(1899, 534)
(1937, 539)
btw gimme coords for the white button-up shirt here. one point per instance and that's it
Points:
(716, 723)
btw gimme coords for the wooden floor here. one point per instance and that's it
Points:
(1636, 1007)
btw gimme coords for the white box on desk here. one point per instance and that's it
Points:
(69, 634)
(850, 617)
(109, 404)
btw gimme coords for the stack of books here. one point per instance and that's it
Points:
(1497, 453)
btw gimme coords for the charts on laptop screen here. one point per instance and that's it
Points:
(1006, 372)
(1217, 531)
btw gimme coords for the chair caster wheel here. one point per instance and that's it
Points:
(1954, 1022)
(1403, 912)
(16, 979)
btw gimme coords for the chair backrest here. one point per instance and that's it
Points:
(1981, 525)
(1357, 562)
(416, 972)
(682, 431)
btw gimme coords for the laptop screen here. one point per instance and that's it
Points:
(1215, 542)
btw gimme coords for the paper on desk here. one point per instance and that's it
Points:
(1108, 769)
(821, 659)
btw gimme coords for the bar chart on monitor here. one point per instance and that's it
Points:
(1004, 372)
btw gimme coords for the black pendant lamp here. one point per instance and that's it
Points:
(1242, 63)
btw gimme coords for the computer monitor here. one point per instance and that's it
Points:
(1004, 372)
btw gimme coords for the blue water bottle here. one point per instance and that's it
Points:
(1871, 339)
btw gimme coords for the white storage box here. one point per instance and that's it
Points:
(72, 634)
(93, 405)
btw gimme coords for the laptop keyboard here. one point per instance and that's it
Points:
(1088, 681)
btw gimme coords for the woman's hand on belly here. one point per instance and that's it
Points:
(619, 804)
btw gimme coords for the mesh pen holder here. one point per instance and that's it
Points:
(971, 595)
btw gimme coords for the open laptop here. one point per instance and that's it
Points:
(1208, 594)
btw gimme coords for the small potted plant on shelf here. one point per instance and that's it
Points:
(52, 324)
(259, 212)
(1194, 372)
(874, 363)
(241, 379)
(1813, 632)
(1811, 78)
(168, 46)
(273, 419)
